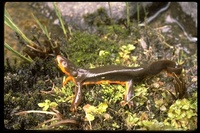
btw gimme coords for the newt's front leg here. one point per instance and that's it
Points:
(77, 98)
(67, 80)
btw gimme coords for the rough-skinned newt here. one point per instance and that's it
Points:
(112, 74)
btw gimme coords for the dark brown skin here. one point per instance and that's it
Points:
(112, 74)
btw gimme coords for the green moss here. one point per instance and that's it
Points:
(83, 43)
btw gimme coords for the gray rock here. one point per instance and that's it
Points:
(190, 8)
(73, 12)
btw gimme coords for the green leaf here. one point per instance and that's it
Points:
(46, 107)
(171, 115)
(186, 106)
(89, 117)
(146, 123)
(178, 102)
(178, 111)
(183, 114)
(134, 58)
(190, 113)
(47, 101)
(103, 53)
(41, 104)
(102, 107)
(53, 104)
(193, 105)
(132, 119)
(159, 102)
(115, 125)
(130, 47)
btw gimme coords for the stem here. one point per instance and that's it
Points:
(128, 15)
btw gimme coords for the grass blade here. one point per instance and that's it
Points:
(17, 53)
(8, 21)
(61, 21)
(43, 28)
(128, 14)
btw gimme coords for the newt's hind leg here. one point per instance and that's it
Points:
(128, 94)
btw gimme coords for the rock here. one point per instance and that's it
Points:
(190, 8)
(74, 12)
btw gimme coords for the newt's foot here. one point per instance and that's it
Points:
(72, 109)
(124, 103)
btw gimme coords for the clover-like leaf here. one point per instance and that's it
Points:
(89, 117)
(102, 107)
(41, 104)
(53, 104)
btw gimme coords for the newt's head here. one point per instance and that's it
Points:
(177, 70)
(66, 66)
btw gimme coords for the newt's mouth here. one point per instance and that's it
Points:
(59, 59)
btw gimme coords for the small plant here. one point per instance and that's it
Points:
(182, 114)
(47, 104)
(140, 95)
(91, 112)
(125, 54)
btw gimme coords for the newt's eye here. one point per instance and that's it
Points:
(64, 64)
